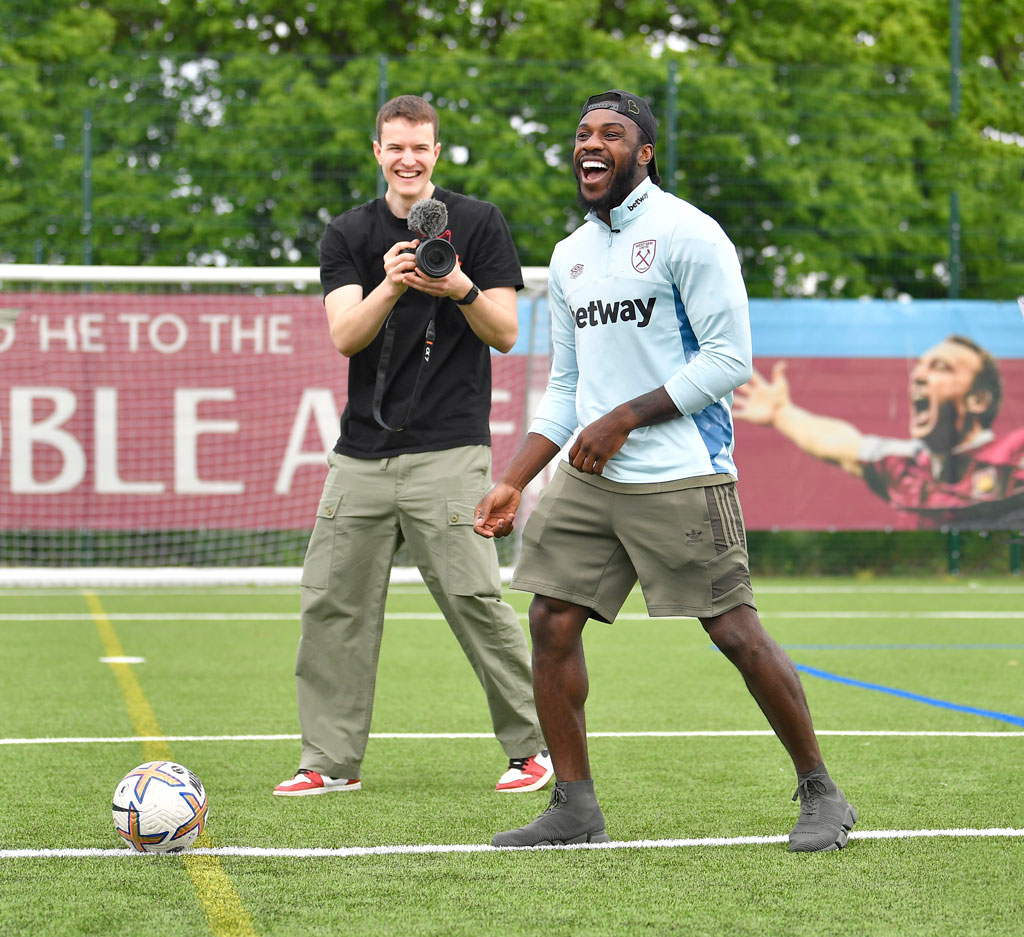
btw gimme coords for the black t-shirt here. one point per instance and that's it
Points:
(455, 398)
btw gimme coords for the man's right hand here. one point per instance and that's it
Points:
(496, 513)
(354, 318)
(397, 264)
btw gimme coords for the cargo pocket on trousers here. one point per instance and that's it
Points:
(316, 568)
(472, 560)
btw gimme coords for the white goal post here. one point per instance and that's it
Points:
(534, 278)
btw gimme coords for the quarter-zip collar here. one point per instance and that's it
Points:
(634, 205)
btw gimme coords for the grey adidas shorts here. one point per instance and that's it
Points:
(589, 540)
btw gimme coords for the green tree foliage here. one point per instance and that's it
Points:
(824, 138)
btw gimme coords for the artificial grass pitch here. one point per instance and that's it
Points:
(219, 664)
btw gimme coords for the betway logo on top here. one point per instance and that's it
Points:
(632, 206)
(623, 310)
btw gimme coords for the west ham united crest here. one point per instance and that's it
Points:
(643, 255)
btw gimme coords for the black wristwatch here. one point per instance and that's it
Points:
(470, 297)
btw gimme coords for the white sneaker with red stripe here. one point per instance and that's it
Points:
(308, 782)
(526, 774)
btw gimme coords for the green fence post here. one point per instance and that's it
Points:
(87, 186)
(382, 99)
(955, 233)
(668, 179)
(1015, 543)
(954, 552)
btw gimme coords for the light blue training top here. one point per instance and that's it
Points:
(656, 299)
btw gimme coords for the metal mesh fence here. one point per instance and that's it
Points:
(832, 181)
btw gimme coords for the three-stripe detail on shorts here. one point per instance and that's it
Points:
(726, 518)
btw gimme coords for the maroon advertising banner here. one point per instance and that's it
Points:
(126, 411)
(884, 417)
(121, 411)
(785, 487)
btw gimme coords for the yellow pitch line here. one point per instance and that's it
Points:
(220, 902)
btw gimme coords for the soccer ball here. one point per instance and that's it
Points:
(160, 806)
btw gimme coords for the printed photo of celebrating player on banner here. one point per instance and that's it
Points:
(949, 454)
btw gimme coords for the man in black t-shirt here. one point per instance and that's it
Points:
(412, 461)
(455, 400)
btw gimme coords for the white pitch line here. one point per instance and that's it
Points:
(352, 852)
(967, 588)
(968, 615)
(170, 616)
(429, 736)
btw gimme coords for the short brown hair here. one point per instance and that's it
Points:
(410, 107)
(987, 379)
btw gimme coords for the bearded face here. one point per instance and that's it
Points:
(606, 160)
(613, 178)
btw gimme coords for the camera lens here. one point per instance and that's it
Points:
(435, 257)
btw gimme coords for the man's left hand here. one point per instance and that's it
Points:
(454, 285)
(598, 442)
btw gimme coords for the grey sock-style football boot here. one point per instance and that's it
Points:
(572, 816)
(826, 816)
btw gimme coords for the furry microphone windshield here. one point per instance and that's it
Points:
(428, 217)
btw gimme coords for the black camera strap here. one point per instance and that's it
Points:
(382, 372)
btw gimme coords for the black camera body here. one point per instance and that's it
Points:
(435, 257)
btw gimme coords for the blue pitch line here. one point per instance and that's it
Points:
(892, 691)
(903, 647)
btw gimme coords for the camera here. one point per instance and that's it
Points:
(435, 257)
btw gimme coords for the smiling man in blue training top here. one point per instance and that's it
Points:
(651, 335)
